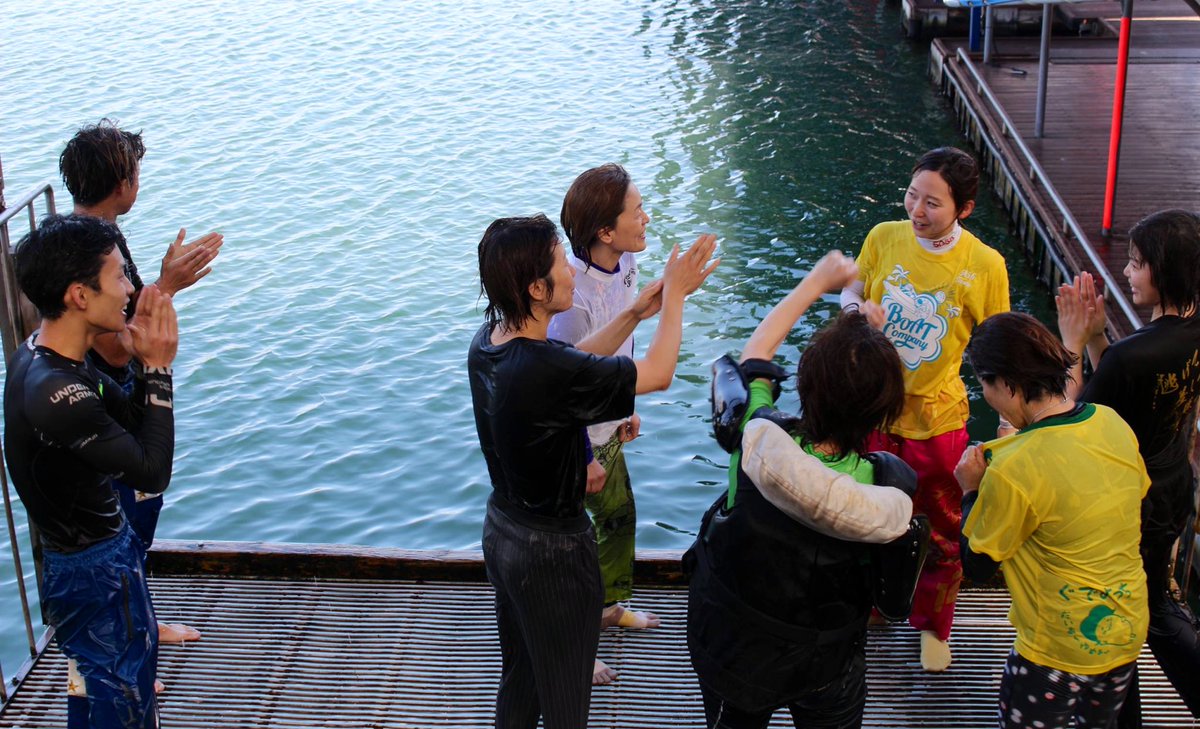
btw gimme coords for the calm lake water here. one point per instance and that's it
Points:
(353, 152)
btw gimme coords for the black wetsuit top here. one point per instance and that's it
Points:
(531, 400)
(1152, 379)
(69, 430)
(776, 610)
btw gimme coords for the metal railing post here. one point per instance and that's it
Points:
(973, 34)
(16, 552)
(12, 324)
(11, 332)
(989, 42)
(1039, 121)
(1112, 289)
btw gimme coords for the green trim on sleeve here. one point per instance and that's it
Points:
(760, 396)
(735, 462)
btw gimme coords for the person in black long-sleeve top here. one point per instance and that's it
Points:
(1152, 379)
(69, 429)
(101, 168)
(532, 397)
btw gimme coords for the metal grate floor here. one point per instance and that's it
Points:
(388, 654)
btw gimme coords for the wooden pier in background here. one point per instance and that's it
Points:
(932, 18)
(1056, 204)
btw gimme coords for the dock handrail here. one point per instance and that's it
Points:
(11, 326)
(1111, 288)
(10, 322)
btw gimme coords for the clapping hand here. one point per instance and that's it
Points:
(152, 335)
(648, 301)
(684, 273)
(1080, 312)
(185, 264)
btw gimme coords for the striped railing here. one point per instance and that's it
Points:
(13, 325)
(1068, 223)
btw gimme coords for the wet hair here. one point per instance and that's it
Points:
(850, 383)
(63, 250)
(97, 159)
(1022, 352)
(513, 254)
(1169, 243)
(594, 202)
(957, 168)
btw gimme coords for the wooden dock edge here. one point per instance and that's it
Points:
(281, 561)
(1050, 248)
(265, 560)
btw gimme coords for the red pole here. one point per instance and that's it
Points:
(1114, 142)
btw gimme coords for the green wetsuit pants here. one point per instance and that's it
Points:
(615, 520)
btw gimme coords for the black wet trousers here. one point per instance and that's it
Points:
(548, 602)
(1173, 636)
(836, 706)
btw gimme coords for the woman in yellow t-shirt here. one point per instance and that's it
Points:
(1057, 504)
(927, 283)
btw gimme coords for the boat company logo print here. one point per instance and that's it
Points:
(913, 323)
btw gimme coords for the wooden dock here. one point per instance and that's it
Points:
(388, 639)
(932, 18)
(1054, 186)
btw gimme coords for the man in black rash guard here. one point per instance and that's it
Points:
(101, 168)
(532, 398)
(68, 431)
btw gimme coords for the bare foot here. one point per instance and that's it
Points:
(616, 615)
(935, 652)
(159, 687)
(176, 633)
(602, 675)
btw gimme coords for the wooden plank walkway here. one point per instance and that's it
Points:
(392, 654)
(1160, 153)
(1108, 14)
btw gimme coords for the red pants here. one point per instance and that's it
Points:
(939, 498)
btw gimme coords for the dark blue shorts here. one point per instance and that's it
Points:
(99, 605)
(141, 515)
